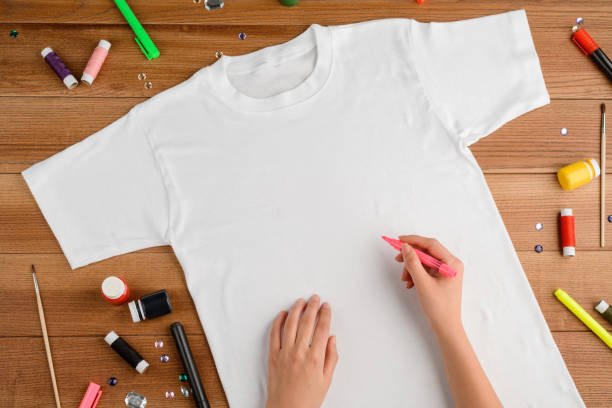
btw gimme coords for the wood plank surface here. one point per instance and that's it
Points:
(39, 117)
(567, 72)
(36, 129)
(30, 385)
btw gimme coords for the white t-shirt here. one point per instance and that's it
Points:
(273, 175)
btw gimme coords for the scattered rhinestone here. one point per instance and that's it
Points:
(242, 36)
(112, 381)
(169, 394)
(148, 85)
(14, 33)
(539, 226)
(164, 358)
(219, 54)
(538, 248)
(159, 344)
(185, 391)
(564, 131)
(142, 76)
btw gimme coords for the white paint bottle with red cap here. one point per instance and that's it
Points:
(115, 290)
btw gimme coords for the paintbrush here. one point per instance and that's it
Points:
(43, 325)
(602, 189)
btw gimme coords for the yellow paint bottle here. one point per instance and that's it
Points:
(578, 174)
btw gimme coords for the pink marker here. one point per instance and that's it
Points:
(427, 260)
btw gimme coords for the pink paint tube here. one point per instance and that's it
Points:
(95, 62)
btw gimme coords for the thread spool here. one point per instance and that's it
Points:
(58, 66)
(115, 290)
(126, 352)
(95, 62)
(568, 232)
(149, 306)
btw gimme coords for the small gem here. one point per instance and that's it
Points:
(564, 131)
(164, 358)
(185, 391)
(183, 377)
(169, 394)
(142, 76)
(242, 36)
(219, 54)
(539, 226)
(609, 218)
(197, 1)
(580, 21)
(148, 85)
(14, 33)
(112, 381)
(135, 400)
(289, 3)
(159, 344)
(213, 4)
(538, 248)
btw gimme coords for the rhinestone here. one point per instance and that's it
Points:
(135, 400)
(219, 54)
(159, 344)
(112, 381)
(148, 85)
(142, 76)
(242, 36)
(539, 226)
(14, 33)
(185, 391)
(169, 394)
(564, 131)
(183, 377)
(538, 248)
(197, 1)
(609, 218)
(213, 4)
(164, 358)
(580, 21)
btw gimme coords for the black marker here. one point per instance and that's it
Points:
(182, 345)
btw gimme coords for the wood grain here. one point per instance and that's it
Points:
(36, 129)
(568, 73)
(83, 359)
(543, 13)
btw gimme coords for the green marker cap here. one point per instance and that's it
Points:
(147, 46)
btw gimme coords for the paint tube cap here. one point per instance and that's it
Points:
(104, 44)
(142, 366)
(70, 81)
(602, 306)
(113, 287)
(111, 337)
(569, 251)
(88, 79)
(595, 167)
(565, 212)
(134, 311)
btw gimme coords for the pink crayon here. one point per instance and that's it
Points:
(427, 260)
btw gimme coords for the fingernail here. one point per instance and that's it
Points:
(314, 298)
(325, 305)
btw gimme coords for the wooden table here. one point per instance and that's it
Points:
(39, 117)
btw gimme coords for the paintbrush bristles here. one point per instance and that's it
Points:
(603, 108)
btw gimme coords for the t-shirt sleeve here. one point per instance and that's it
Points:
(103, 196)
(479, 74)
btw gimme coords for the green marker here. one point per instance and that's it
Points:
(142, 38)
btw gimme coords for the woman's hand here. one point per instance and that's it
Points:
(302, 356)
(440, 297)
(441, 301)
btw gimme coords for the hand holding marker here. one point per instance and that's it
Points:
(427, 260)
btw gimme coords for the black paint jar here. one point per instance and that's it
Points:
(150, 306)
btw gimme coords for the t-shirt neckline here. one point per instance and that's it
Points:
(316, 37)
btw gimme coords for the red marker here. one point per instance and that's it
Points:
(427, 260)
(589, 47)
